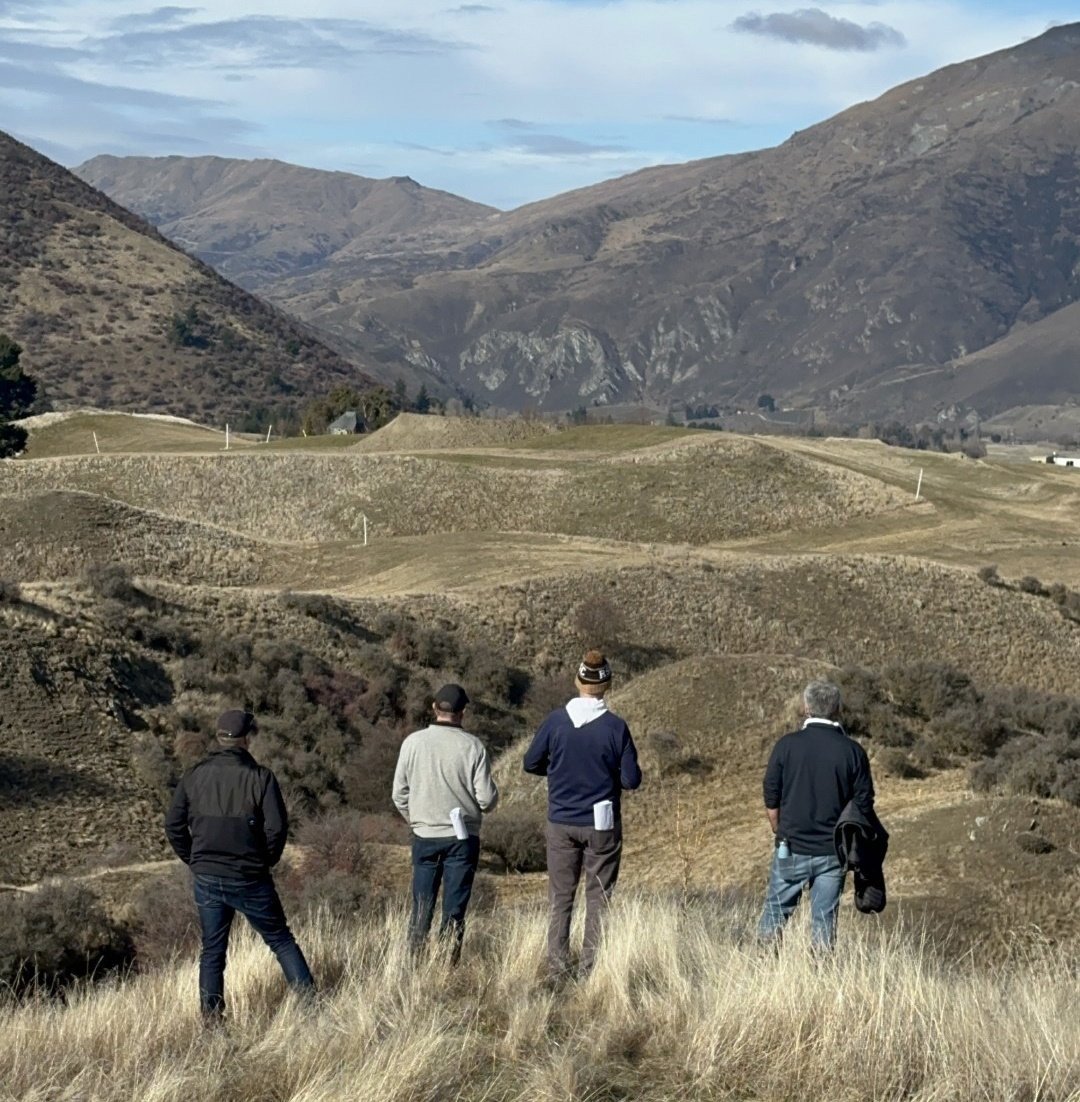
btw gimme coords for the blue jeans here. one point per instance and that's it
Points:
(787, 878)
(452, 863)
(218, 899)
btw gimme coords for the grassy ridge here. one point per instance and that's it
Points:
(683, 1005)
(732, 489)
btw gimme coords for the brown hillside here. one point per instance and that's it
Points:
(68, 789)
(111, 314)
(413, 432)
(55, 534)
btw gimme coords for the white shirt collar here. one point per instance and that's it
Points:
(818, 719)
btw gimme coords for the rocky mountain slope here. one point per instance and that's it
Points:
(898, 238)
(110, 313)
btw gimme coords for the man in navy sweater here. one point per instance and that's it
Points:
(588, 757)
(811, 777)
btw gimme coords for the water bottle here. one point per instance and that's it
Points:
(783, 850)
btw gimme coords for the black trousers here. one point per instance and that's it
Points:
(449, 863)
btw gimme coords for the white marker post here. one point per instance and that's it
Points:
(226, 435)
(269, 429)
(364, 515)
(918, 489)
(97, 446)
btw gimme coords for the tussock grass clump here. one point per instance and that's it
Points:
(682, 1005)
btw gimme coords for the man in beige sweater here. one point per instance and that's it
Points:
(443, 774)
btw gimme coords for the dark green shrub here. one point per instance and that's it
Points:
(599, 622)
(544, 694)
(152, 765)
(968, 728)
(1034, 843)
(1032, 585)
(487, 676)
(167, 635)
(927, 689)
(10, 592)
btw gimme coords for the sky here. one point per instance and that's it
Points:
(502, 101)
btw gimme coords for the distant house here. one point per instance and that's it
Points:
(348, 423)
(1061, 460)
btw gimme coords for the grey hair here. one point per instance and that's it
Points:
(822, 700)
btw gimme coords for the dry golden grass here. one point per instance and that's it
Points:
(56, 534)
(410, 432)
(683, 1004)
(66, 434)
(730, 489)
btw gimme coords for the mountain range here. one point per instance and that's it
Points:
(918, 250)
(112, 314)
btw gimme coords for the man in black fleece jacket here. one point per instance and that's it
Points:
(228, 824)
(812, 775)
(588, 757)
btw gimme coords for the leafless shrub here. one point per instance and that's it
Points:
(163, 919)
(110, 580)
(598, 622)
(518, 838)
(56, 935)
(895, 762)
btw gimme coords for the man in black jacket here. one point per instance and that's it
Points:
(228, 824)
(812, 776)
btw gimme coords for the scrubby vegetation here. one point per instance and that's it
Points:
(329, 729)
(56, 935)
(1067, 600)
(927, 715)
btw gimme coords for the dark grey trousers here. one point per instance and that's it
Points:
(571, 852)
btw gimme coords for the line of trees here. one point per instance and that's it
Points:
(376, 405)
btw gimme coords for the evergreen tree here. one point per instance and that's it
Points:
(17, 393)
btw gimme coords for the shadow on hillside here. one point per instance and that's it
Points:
(34, 782)
(638, 658)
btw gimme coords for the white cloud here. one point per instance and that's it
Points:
(613, 86)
